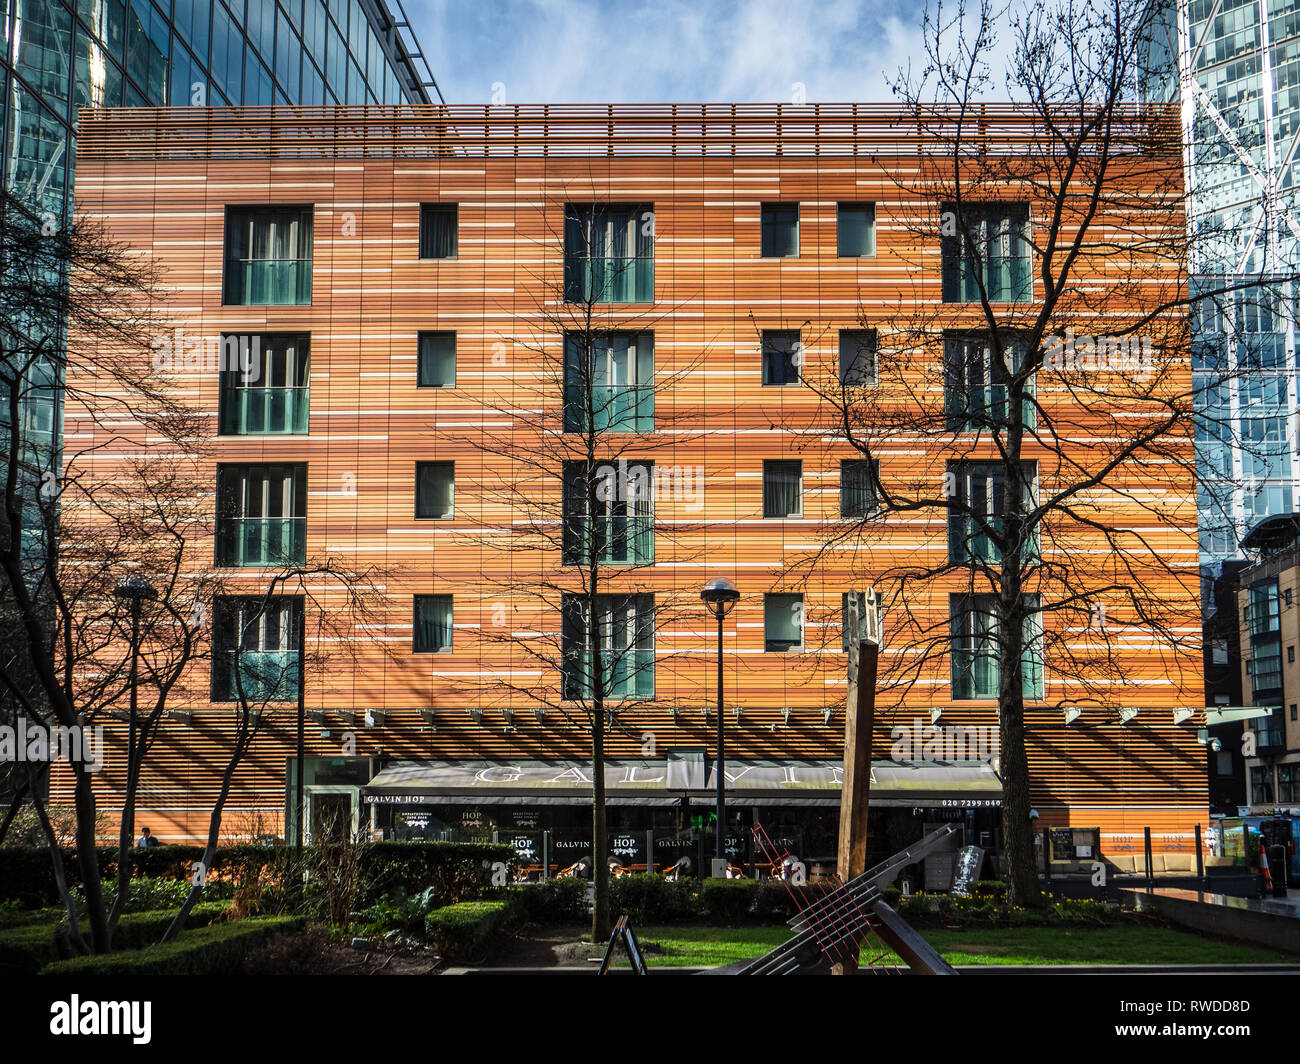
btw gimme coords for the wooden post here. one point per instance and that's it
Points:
(859, 718)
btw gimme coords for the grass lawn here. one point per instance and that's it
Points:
(707, 946)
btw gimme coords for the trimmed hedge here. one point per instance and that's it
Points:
(458, 871)
(212, 950)
(27, 948)
(651, 899)
(552, 901)
(463, 932)
(453, 871)
(728, 900)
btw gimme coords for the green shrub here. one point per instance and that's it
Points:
(149, 894)
(649, 898)
(727, 900)
(776, 900)
(463, 932)
(552, 901)
(212, 950)
(892, 895)
(26, 949)
(989, 888)
(454, 871)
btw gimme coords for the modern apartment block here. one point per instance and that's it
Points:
(405, 278)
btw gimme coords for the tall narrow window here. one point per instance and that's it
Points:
(976, 382)
(985, 249)
(438, 223)
(255, 648)
(782, 623)
(782, 487)
(625, 637)
(263, 384)
(261, 514)
(779, 225)
(976, 655)
(432, 633)
(858, 488)
(609, 253)
(435, 489)
(437, 356)
(857, 357)
(621, 529)
(268, 256)
(609, 382)
(979, 498)
(782, 356)
(855, 230)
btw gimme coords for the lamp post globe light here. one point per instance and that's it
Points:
(134, 591)
(720, 595)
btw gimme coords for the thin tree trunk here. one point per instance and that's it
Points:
(88, 861)
(60, 875)
(12, 812)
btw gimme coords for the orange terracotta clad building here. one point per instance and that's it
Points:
(402, 270)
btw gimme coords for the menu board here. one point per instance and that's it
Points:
(1062, 844)
(966, 869)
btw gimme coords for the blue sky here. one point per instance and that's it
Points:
(567, 51)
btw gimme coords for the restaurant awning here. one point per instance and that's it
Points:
(657, 782)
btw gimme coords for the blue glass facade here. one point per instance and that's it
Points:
(61, 55)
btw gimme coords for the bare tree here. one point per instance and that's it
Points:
(1069, 410)
(576, 505)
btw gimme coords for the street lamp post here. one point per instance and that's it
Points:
(720, 595)
(134, 590)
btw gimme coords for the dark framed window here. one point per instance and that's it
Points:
(1261, 785)
(609, 253)
(261, 514)
(985, 250)
(621, 531)
(625, 631)
(976, 669)
(1288, 783)
(976, 382)
(438, 224)
(779, 225)
(435, 490)
(782, 623)
(979, 503)
(855, 230)
(782, 487)
(263, 384)
(268, 256)
(858, 357)
(782, 356)
(437, 359)
(609, 382)
(255, 648)
(858, 479)
(432, 632)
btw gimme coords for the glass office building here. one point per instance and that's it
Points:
(1235, 66)
(61, 55)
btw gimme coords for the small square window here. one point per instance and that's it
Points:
(432, 632)
(780, 230)
(438, 230)
(782, 356)
(857, 357)
(782, 623)
(437, 360)
(857, 488)
(782, 488)
(435, 490)
(855, 230)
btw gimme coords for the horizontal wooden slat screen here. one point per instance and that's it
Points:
(161, 180)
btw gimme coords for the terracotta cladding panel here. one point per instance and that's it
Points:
(369, 424)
